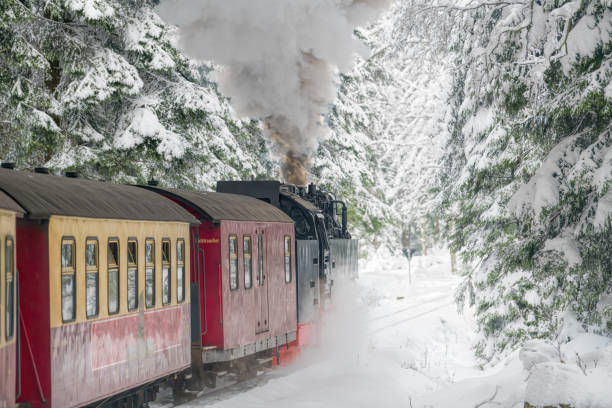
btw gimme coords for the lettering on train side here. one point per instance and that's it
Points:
(208, 241)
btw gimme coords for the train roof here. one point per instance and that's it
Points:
(44, 195)
(7, 203)
(226, 207)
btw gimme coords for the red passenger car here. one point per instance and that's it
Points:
(243, 277)
(104, 306)
(8, 300)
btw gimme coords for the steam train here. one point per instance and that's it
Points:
(108, 291)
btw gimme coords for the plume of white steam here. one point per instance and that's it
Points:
(279, 58)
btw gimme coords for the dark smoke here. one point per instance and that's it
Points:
(280, 60)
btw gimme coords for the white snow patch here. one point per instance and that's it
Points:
(479, 122)
(604, 210)
(566, 246)
(144, 36)
(144, 123)
(91, 9)
(543, 189)
(44, 120)
(109, 73)
(585, 36)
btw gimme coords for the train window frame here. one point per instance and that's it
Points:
(248, 256)
(131, 266)
(91, 270)
(68, 270)
(233, 260)
(288, 253)
(260, 260)
(153, 268)
(166, 263)
(9, 334)
(180, 270)
(113, 268)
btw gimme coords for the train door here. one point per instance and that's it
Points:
(261, 287)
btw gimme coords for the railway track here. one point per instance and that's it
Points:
(411, 317)
(226, 388)
(230, 386)
(407, 308)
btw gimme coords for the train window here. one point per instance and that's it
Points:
(68, 280)
(150, 272)
(248, 262)
(260, 260)
(91, 277)
(113, 276)
(233, 261)
(165, 271)
(9, 270)
(132, 274)
(287, 258)
(180, 270)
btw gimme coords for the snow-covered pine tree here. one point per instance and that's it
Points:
(528, 168)
(99, 87)
(389, 127)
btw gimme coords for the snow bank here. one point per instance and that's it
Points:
(393, 342)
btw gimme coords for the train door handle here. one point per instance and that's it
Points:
(312, 284)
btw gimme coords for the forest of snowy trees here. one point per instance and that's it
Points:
(485, 125)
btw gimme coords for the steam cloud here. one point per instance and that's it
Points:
(280, 59)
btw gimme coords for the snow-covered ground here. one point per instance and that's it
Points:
(395, 339)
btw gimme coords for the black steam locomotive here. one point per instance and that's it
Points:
(325, 250)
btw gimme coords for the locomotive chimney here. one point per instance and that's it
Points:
(312, 189)
(41, 170)
(153, 183)
(72, 174)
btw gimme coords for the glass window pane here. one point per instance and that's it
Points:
(166, 251)
(92, 294)
(150, 286)
(113, 291)
(67, 258)
(180, 286)
(180, 270)
(132, 253)
(68, 298)
(287, 259)
(149, 252)
(132, 288)
(10, 309)
(233, 254)
(113, 253)
(180, 251)
(91, 254)
(248, 262)
(165, 285)
(9, 263)
(260, 263)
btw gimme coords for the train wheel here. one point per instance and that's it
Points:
(210, 379)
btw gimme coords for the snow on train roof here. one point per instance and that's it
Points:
(7, 203)
(44, 195)
(227, 207)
